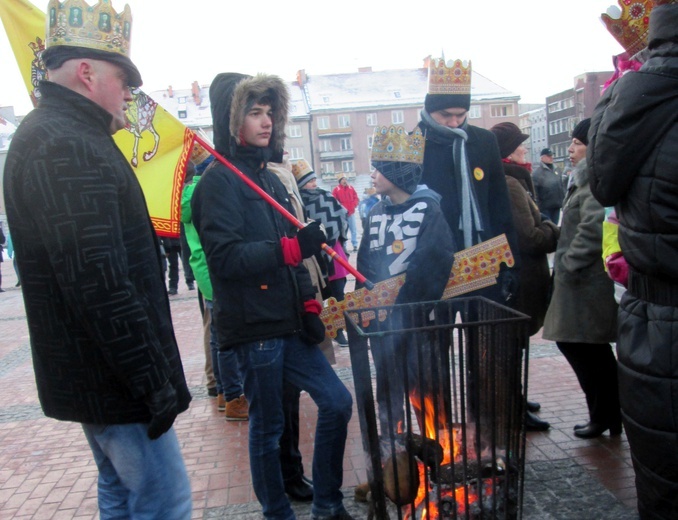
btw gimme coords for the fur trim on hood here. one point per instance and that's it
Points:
(233, 94)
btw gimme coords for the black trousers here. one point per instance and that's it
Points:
(290, 456)
(596, 369)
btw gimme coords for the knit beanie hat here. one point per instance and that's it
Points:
(303, 172)
(581, 131)
(435, 102)
(404, 175)
(509, 138)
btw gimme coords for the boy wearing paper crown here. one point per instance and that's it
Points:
(406, 233)
(462, 163)
(103, 345)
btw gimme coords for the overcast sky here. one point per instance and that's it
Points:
(533, 48)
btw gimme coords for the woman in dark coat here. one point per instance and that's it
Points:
(536, 238)
(633, 158)
(582, 315)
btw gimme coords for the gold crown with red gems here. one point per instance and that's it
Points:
(631, 26)
(453, 77)
(76, 23)
(393, 143)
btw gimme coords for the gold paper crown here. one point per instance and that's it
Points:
(451, 78)
(393, 143)
(301, 168)
(75, 23)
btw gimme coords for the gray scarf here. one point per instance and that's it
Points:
(470, 222)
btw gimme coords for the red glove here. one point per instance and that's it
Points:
(291, 251)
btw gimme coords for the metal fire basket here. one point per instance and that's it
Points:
(439, 391)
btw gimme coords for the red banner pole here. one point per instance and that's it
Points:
(331, 252)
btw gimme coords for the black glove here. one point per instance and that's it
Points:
(163, 407)
(312, 329)
(509, 287)
(311, 238)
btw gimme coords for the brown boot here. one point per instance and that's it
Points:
(221, 403)
(237, 409)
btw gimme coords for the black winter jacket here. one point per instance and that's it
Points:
(96, 303)
(549, 189)
(411, 238)
(633, 162)
(256, 296)
(489, 183)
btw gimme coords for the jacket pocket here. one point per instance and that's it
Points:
(267, 301)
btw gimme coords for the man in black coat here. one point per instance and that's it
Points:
(463, 164)
(102, 341)
(633, 160)
(549, 188)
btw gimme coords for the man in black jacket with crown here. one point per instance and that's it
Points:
(102, 341)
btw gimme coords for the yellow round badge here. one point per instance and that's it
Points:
(478, 173)
(397, 246)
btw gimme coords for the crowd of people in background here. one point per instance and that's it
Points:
(263, 282)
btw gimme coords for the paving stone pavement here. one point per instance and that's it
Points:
(47, 472)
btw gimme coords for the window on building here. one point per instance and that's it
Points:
(347, 166)
(560, 126)
(344, 121)
(555, 106)
(370, 140)
(345, 144)
(371, 119)
(182, 114)
(501, 110)
(397, 117)
(296, 153)
(323, 123)
(325, 145)
(293, 131)
(327, 167)
(475, 112)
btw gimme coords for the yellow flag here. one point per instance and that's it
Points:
(158, 147)
(157, 144)
(25, 27)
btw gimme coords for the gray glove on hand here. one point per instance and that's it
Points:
(163, 407)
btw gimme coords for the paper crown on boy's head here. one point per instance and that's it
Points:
(449, 85)
(629, 23)
(394, 144)
(303, 173)
(77, 30)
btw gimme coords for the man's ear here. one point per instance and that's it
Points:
(85, 73)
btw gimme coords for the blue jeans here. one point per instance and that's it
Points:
(224, 363)
(264, 366)
(139, 478)
(353, 230)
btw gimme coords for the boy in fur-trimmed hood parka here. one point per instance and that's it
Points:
(264, 302)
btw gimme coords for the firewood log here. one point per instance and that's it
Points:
(404, 490)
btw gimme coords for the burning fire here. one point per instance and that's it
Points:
(431, 496)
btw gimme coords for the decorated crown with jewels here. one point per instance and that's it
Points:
(629, 23)
(76, 23)
(393, 143)
(453, 77)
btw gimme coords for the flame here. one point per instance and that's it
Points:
(436, 431)
(447, 439)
